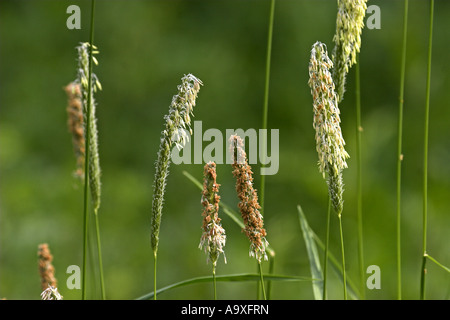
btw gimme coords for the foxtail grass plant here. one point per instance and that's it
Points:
(347, 39)
(349, 25)
(425, 157)
(264, 122)
(175, 134)
(248, 205)
(399, 149)
(90, 119)
(213, 237)
(89, 84)
(329, 141)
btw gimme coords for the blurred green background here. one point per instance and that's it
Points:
(145, 48)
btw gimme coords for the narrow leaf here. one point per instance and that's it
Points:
(225, 278)
(313, 255)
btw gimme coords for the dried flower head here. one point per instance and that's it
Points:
(349, 25)
(175, 133)
(46, 269)
(91, 120)
(75, 125)
(51, 293)
(329, 141)
(213, 237)
(248, 205)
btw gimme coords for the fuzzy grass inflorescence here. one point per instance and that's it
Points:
(75, 125)
(46, 269)
(89, 84)
(349, 25)
(177, 122)
(248, 205)
(329, 141)
(213, 237)
(91, 121)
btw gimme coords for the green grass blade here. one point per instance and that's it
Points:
(241, 277)
(314, 260)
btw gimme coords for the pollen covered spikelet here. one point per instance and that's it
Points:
(82, 79)
(75, 125)
(248, 205)
(213, 238)
(349, 25)
(329, 141)
(175, 134)
(46, 269)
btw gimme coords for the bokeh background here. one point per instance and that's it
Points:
(145, 48)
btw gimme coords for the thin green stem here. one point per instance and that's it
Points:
(271, 269)
(265, 112)
(399, 151)
(425, 157)
(359, 179)
(325, 262)
(438, 263)
(266, 104)
(86, 169)
(262, 281)
(258, 283)
(154, 274)
(343, 257)
(214, 282)
(100, 263)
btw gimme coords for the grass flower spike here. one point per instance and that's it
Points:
(175, 133)
(329, 141)
(248, 205)
(46, 269)
(89, 84)
(349, 25)
(213, 237)
(75, 124)
(94, 160)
